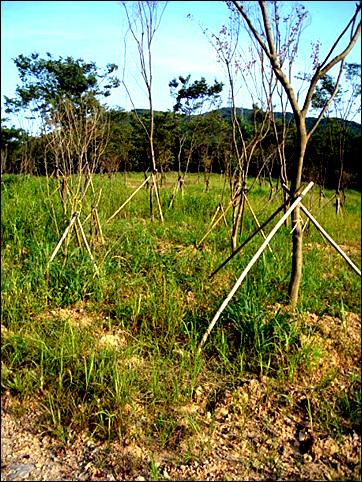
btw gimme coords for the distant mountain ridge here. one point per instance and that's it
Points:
(247, 116)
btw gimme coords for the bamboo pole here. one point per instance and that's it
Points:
(173, 195)
(326, 204)
(96, 205)
(98, 223)
(88, 216)
(256, 219)
(77, 235)
(285, 203)
(326, 235)
(131, 196)
(224, 218)
(251, 263)
(154, 177)
(74, 217)
(215, 224)
(214, 216)
(87, 246)
(99, 198)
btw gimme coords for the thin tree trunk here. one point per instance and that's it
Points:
(236, 222)
(338, 203)
(152, 213)
(338, 190)
(297, 237)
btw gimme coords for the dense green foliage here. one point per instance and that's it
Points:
(78, 131)
(46, 83)
(210, 134)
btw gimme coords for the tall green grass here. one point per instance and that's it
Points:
(154, 292)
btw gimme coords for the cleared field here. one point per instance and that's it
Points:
(274, 394)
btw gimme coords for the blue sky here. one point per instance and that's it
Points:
(94, 31)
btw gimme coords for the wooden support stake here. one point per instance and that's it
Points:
(74, 217)
(224, 218)
(215, 224)
(154, 177)
(251, 263)
(173, 195)
(214, 216)
(96, 205)
(89, 215)
(87, 246)
(133, 194)
(98, 223)
(326, 235)
(285, 203)
(256, 219)
(77, 235)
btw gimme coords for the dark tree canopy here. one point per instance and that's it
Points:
(191, 97)
(46, 83)
(323, 92)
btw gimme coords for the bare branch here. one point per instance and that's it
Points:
(338, 58)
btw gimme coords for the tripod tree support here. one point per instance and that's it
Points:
(173, 195)
(98, 223)
(74, 217)
(285, 203)
(255, 219)
(326, 235)
(87, 246)
(154, 178)
(131, 196)
(94, 214)
(213, 225)
(214, 216)
(251, 263)
(224, 213)
(95, 217)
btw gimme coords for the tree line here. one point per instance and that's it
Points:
(206, 146)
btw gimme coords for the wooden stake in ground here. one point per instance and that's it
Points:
(214, 216)
(326, 235)
(131, 196)
(74, 217)
(98, 223)
(98, 227)
(249, 266)
(87, 246)
(154, 177)
(215, 224)
(255, 219)
(282, 206)
(224, 214)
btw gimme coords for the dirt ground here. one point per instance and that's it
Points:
(249, 434)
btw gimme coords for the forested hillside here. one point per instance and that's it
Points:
(205, 148)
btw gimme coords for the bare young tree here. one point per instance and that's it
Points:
(263, 32)
(77, 144)
(238, 67)
(144, 19)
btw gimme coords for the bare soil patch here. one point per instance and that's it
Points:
(257, 430)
